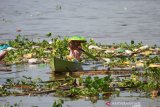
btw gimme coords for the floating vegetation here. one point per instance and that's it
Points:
(81, 87)
(70, 87)
(7, 104)
(26, 51)
(115, 55)
(143, 60)
(58, 103)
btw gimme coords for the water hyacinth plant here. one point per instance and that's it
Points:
(25, 49)
(123, 55)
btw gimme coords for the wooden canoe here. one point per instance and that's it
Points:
(59, 65)
(2, 54)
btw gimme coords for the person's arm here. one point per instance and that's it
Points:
(2, 55)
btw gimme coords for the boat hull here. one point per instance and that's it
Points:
(59, 65)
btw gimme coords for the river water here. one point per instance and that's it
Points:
(107, 21)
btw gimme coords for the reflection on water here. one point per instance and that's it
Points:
(42, 71)
(28, 70)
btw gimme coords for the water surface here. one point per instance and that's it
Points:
(106, 21)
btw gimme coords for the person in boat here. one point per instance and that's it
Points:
(75, 48)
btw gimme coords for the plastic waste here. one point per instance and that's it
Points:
(109, 51)
(50, 42)
(154, 65)
(146, 53)
(10, 48)
(33, 47)
(94, 47)
(32, 61)
(139, 64)
(129, 52)
(29, 55)
(107, 60)
(144, 47)
(86, 98)
(4, 46)
(135, 50)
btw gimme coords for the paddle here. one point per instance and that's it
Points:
(88, 54)
(93, 57)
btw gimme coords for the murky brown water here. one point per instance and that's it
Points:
(125, 99)
(107, 21)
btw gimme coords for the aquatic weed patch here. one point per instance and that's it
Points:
(137, 57)
(115, 55)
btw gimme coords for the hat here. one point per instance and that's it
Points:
(77, 38)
